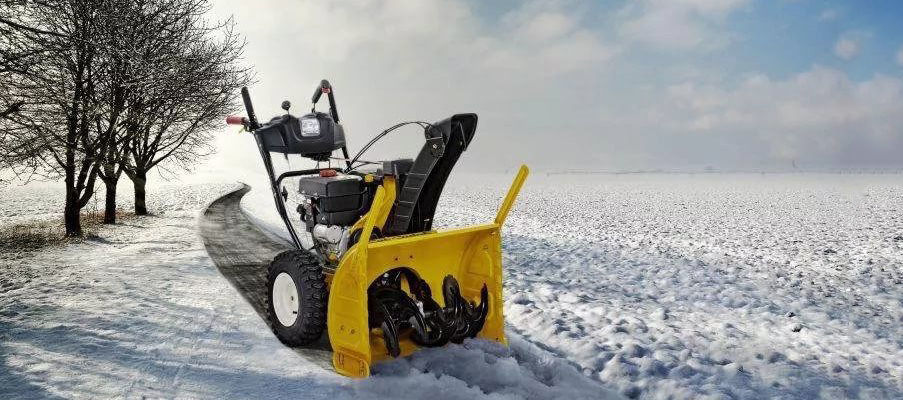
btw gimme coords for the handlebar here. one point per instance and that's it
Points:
(249, 122)
(325, 87)
(249, 108)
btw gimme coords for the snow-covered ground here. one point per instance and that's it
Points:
(701, 286)
(140, 311)
(656, 286)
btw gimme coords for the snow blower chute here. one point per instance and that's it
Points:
(373, 271)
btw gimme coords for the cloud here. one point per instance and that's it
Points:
(819, 116)
(846, 48)
(417, 36)
(849, 43)
(678, 24)
(393, 61)
(553, 89)
(900, 56)
(829, 14)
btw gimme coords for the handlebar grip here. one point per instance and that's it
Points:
(324, 87)
(236, 120)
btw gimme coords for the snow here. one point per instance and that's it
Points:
(744, 286)
(138, 313)
(654, 286)
(259, 207)
(701, 286)
(141, 311)
(481, 369)
(23, 205)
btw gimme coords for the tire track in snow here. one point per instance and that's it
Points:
(242, 252)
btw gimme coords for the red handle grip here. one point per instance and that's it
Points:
(236, 120)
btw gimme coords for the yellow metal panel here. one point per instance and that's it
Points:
(512, 194)
(388, 184)
(347, 322)
(472, 255)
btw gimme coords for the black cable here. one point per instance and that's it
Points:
(382, 134)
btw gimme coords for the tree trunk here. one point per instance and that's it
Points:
(72, 218)
(140, 180)
(72, 212)
(109, 212)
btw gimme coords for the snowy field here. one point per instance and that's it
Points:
(743, 286)
(141, 312)
(702, 286)
(654, 286)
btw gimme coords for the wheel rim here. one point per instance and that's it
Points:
(285, 299)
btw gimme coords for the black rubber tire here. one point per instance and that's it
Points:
(307, 272)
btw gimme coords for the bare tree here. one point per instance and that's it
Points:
(196, 73)
(55, 130)
(14, 55)
(106, 123)
(98, 88)
(127, 43)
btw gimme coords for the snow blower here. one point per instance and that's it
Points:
(393, 284)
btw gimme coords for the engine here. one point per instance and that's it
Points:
(330, 204)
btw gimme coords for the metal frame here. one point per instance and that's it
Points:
(276, 182)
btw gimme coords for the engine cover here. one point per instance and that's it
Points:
(285, 135)
(335, 200)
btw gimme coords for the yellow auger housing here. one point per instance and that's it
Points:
(471, 255)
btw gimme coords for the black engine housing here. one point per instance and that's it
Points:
(335, 200)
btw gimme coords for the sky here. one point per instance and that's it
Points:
(579, 85)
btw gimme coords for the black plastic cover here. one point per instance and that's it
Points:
(283, 135)
(398, 168)
(339, 200)
(416, 202)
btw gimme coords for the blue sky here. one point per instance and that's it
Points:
(610, 85)
(785, 37)
(775, 37)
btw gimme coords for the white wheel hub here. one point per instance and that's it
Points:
(285, 299)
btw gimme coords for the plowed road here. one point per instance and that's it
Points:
(242, 252)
